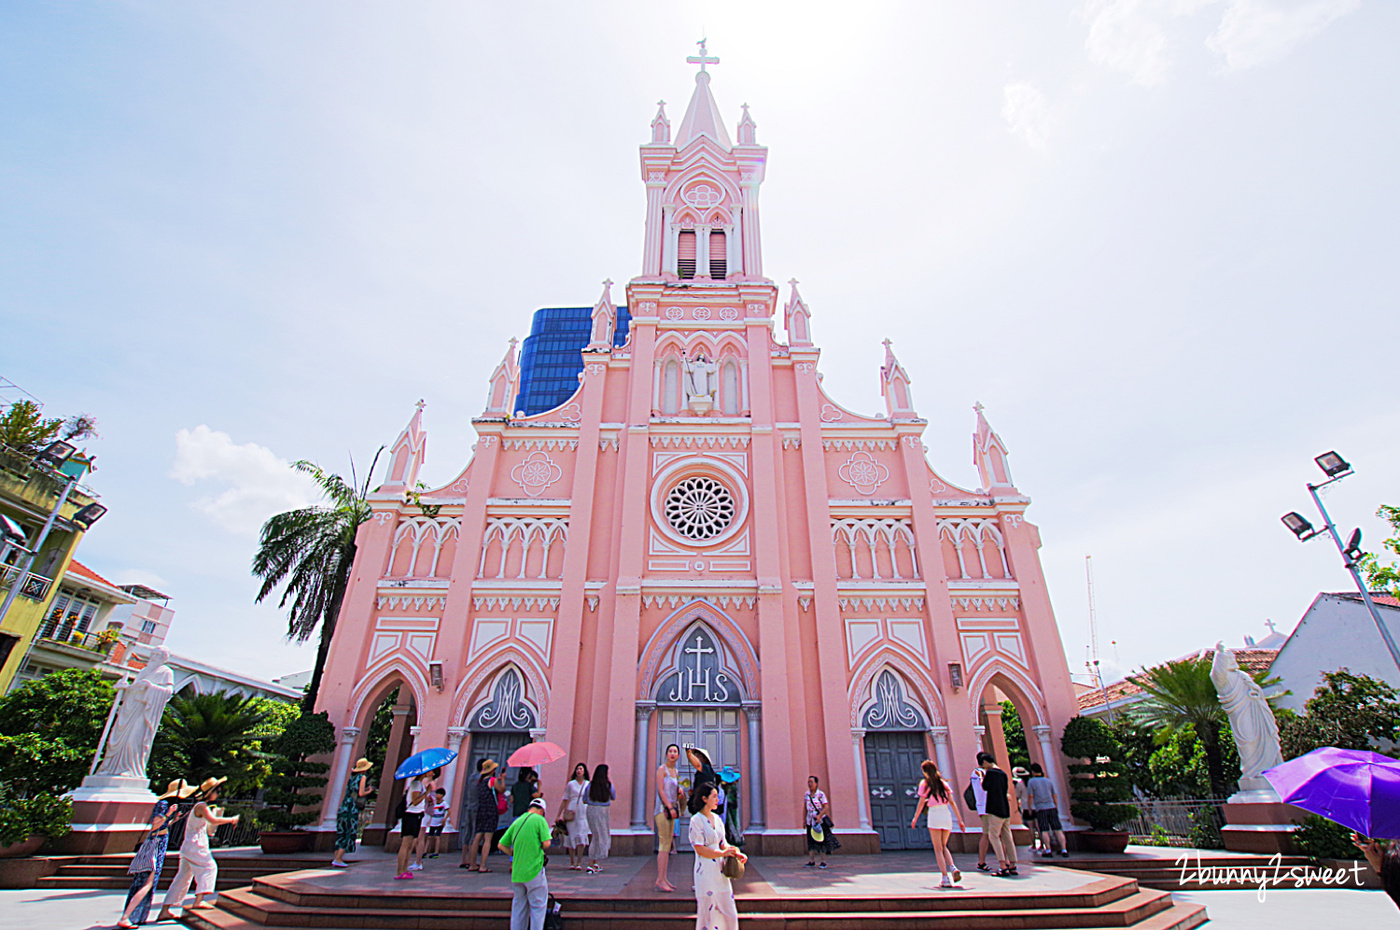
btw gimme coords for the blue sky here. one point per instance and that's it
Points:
(1156, 238)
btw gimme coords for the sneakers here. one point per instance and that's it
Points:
(1064, 854)
(946, 883)
(809, 865)
(822, 865)
(403, 875)
(339, 865)
(415, 866)
(957, 876)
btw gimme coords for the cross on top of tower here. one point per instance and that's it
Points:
(978, 407)
(702, 59)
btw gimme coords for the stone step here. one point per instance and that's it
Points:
(244, 908)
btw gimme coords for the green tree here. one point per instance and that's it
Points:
(377, 740)
(1177, 767)
(71, 705)
(31, 765)
(1346, 711)
(24, 428)
(309, 553)
(1180, 694)
(1015, 734)
(1137, 744)
(210, 735)
(1099, 786)
(1384, 577)
(308, 735)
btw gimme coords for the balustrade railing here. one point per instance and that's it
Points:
(1189, 822)
(34, 586)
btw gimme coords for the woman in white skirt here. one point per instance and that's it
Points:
(714, 893)
(576, 842)
(937, 798)
(598, 803)
(196, 862)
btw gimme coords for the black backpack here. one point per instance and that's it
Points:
(553, 915)
(969, 798)
(401, 808)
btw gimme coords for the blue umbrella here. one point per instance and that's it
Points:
(424, 761)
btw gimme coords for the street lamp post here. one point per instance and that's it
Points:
(1336, 468)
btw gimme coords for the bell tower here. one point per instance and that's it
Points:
(702, 193)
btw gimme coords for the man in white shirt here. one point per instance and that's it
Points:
(980, 795)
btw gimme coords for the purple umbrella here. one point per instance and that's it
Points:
(1351, 787)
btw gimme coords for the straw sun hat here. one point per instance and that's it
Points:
(363, 765)
(209, 784)
(489, 766)
(179, 788)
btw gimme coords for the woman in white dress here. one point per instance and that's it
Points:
(714, 894)
(575, 793)
(196, 862)
(936, 795)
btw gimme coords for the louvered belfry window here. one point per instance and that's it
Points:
(685, 254)
(718, 256)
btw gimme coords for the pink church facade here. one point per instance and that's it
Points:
(701, 546)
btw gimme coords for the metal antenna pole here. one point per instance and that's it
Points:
(1356, 576)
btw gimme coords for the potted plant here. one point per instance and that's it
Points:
(25, 823)
(287, 788)
(1098, 786)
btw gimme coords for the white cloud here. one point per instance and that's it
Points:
(1027, 114)
(1127, 36)
(260, 483)
(1261, 32)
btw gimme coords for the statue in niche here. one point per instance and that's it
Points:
(1251, 719)
(701, 381)
(138, 717)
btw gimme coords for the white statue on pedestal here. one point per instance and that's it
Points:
(1251, 719)
(701, 380)
(138, 717)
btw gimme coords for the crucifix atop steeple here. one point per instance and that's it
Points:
(702, 59)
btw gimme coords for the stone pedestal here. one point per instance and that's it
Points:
(111, 814)
(1257, 821)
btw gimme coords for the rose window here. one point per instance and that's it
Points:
(699, 508)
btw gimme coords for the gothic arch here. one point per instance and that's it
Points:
(663, 641)
(1015, 683)
(491, 666)
(507, 675)
(674, 658)
(916, 680)
(382, 684)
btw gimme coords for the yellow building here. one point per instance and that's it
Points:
(30, 490)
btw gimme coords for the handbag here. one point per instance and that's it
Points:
(732, 868)
(501, 803)
(830, 829)
(969, 798)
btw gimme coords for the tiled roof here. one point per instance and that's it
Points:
(1249, 660)
(1385, 599)
(82, 571)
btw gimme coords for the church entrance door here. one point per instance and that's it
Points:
(715, 729)
(497, 746)
(892, 769)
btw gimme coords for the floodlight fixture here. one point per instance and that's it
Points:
(1353, 552)
(1333, 464)
(10, 531)
(56, 453)
(87, 516)
(1298, 524)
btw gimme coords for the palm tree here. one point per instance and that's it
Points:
(1179, 694)
(208, 735)
(310, 552)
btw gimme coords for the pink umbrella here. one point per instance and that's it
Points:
(533, 754)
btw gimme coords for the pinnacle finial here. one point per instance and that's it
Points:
(978, 407)
(607, 282)
(793, 282)
(887, 343)
(702, 59)
(421, 404)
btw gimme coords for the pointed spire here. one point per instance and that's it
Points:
(505, 383)
(797, 319)
(748, 129)
(894, 385)
(660, 125)
(702, 115)
(604, 320)
(989, 455)
(408, 453)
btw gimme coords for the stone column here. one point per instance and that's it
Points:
(1003, 756)
(702, 251)
(415, 732)
(340, 769)
(862, 784)
(455, 735)
(753, 713)
(642, 764)
(1051, 760)
(671, 252)
(536, 734)
(387, 796)
(941, 754)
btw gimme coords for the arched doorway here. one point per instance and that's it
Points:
(498, 727)
(894, 748)
(698, 703)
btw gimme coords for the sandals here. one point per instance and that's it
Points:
(983, 867)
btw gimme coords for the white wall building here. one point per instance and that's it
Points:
(1336, 632)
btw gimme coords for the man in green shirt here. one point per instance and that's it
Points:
(525, 842)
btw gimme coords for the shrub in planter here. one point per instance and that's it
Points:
(21, 819)
(1320, 838)
(1099, 786)
(295, 781)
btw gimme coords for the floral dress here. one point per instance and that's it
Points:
(149, 860)
(347, 816)
(488, 814)
(714, 894)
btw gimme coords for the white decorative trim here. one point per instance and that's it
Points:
(537, 633)
(863, 472)
(881, 603)
(986, 603)
(700, 442)
(864, 445)
(553, 445)
(487, 632)
(410, 603)
(536, 472)
(515, 602)
(675, 600)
